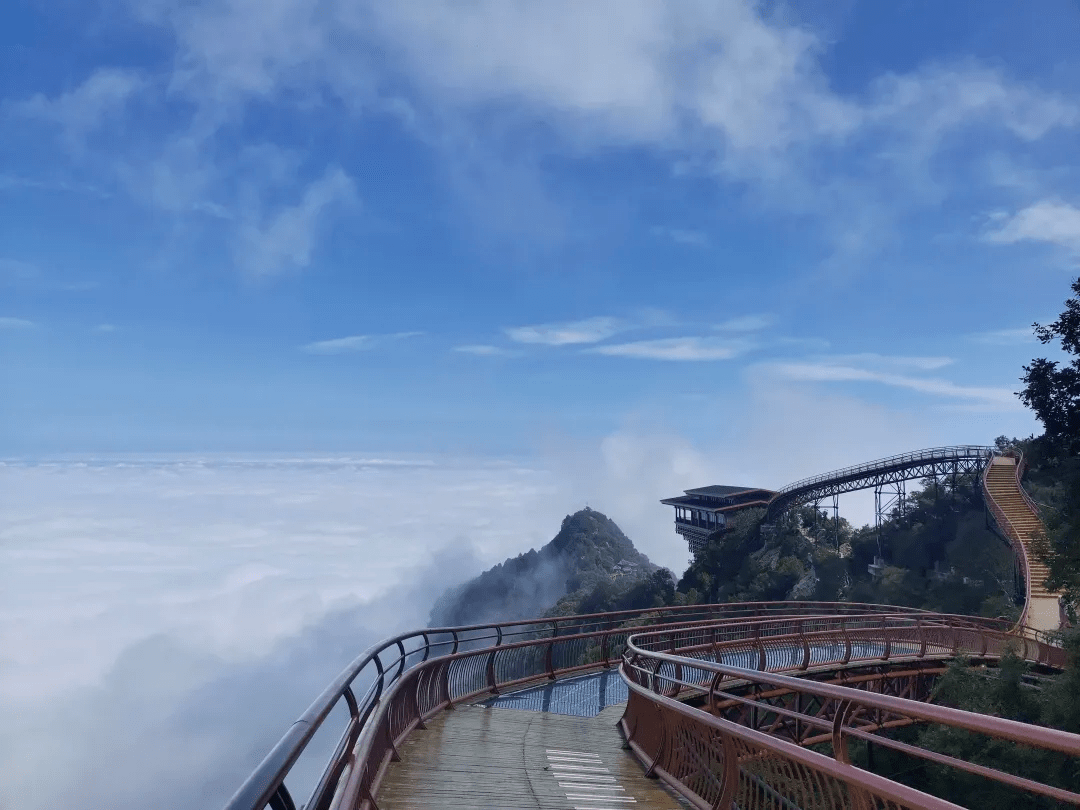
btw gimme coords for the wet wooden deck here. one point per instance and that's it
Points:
(478, 758)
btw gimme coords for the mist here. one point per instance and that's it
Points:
(164, 621)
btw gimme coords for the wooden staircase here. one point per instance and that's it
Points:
(1023, 525)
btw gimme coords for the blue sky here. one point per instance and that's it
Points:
(377, 292)
(488, 227)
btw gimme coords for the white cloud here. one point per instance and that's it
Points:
(678, 349)
(80, 111)
(354, 343)
(715, 85)
(746, 323)
(590, 330)
(286, 239)
(165, 622)
(1046, 221)
(105, 328)
(624, 70)
(484, 350)
(997, 398)
(939, 100)
(886, 360)
(15, 323)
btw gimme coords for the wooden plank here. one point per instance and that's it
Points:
(477, 758)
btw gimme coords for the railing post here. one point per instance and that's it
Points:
(762, 662)
(401, 658)
(729, 776)
(394, 755)
(888, 640)
(491, 671)
(713, 686)
(444, 678)
(414, 701)
(839, 743)
(661, 749)
(549, 659)
(806, 647)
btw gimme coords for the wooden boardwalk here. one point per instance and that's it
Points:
(478, 758)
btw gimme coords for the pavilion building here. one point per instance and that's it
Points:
(702, 511)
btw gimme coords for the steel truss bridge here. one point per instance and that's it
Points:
(884, 476)
(732, 707)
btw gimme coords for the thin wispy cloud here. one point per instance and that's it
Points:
(354, 343)
(105, 328)
(286, 241)
(484, 350)
(746, 323)
(86, 107)
(997, 398)
(678, 349)
(590, 330)
(874, 360)
(1005, 337)
(683, 236)
(15, 323)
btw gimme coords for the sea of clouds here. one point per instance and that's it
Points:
(165, 619)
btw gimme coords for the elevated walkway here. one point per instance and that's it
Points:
(479, 758)
(1019, 520)
(429, 724)
(1015, 514)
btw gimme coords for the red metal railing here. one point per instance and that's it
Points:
(697, 643)
(541, 648)
(758, 761)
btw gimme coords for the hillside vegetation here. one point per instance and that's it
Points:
(937, 553)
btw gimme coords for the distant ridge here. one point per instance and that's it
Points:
(590, 552)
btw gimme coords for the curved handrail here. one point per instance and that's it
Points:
(913, 459)
(415, 684)
(1021, 466)
(838, 713)
(408, 649)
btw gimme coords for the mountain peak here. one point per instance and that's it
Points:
(589, 549)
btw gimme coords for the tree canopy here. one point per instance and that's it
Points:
(1052, 390)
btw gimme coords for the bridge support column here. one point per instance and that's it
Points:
(889, 498)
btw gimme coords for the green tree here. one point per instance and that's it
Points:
(1052, 390)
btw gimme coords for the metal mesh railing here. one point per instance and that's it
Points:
(460, 661)
(748, 742)
(668, 653)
